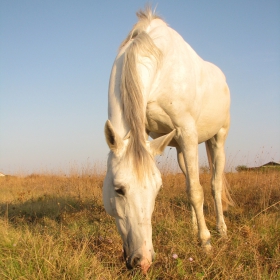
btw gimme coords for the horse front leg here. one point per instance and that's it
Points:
(187, 140)
(181, 162)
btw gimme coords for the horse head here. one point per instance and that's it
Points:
(130, 199)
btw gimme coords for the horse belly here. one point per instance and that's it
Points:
(208, 124)
(205, 132)
(211, 120)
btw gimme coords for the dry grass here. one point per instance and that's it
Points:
(55, 227)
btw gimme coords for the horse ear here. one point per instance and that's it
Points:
(158, 145)
(113, 140)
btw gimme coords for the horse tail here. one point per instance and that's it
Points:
(132, 97)
(226, 197)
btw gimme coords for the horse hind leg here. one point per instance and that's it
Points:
(216, 158)
(182, 166)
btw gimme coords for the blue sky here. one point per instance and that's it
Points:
(55, 63)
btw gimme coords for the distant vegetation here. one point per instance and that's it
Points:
(243, 168)
(55, 227)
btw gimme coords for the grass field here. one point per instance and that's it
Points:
(55, 227)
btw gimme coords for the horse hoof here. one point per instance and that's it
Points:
(223, 233)
(207, 248)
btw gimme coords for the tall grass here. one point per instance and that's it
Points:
(55, 227)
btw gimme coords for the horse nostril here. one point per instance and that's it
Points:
(133, 261)
(136, 261)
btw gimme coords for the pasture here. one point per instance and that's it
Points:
(55, 227)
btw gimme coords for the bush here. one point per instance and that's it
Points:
(241, 168)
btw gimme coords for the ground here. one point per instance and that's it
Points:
(55, 227)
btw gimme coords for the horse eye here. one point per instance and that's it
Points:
(120, 191)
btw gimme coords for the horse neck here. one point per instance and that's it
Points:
(115, 105)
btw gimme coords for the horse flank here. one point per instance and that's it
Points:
(134, 109)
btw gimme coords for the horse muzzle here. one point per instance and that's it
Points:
(138, 260)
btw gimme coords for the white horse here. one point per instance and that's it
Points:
(160, 87)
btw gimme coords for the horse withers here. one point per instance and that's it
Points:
(160, 87)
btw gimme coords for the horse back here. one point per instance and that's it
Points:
(185, 87)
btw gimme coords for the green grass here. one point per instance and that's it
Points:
(55, 227)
